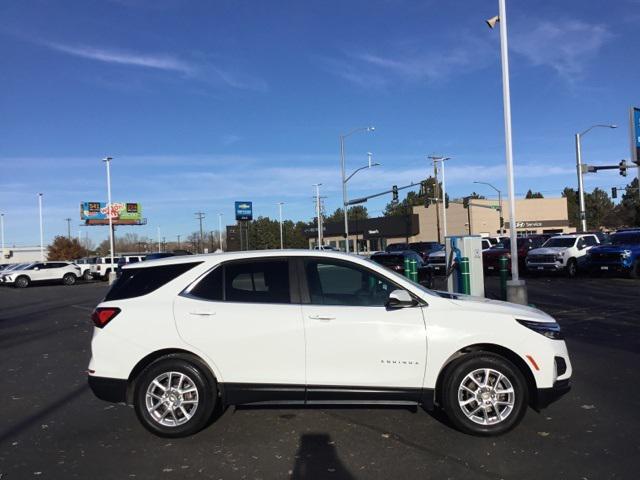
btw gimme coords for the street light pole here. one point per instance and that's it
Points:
(280, 216)
(345, 180)
(41, 228)
(68, 220)
(112, 272)
(317, 185)
(159, 250)
(2, 236)
(516, 289)
(501, 223)
(178, 242)
(444, 192)
(583, 211)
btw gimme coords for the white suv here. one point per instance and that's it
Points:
(102, 267)
(65, 272)
(176, 337)
(562, 253)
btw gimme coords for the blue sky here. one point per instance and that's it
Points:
(201, 103)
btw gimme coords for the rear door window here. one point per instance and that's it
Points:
(136, 282)
(264, 281)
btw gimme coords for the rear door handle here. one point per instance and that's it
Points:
(321, 317)
(202, 314)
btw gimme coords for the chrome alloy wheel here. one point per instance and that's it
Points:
(172, 399)
(486, 396)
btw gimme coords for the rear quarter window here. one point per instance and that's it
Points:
(136, 282)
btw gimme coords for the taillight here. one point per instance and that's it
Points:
(102, 316)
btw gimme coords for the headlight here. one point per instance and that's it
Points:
(626, 254)
(548, 329)
(559, 257)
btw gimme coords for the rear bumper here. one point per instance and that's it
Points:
(109, 389)
(546, 396)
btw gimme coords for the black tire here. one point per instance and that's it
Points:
(207, 395)
(572, 268)
(69, 279)
(458, 372)
(22, 281)
(86, 276)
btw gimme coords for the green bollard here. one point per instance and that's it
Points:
(414, 270)
(504, 273)
(465, 275)
(407, 268)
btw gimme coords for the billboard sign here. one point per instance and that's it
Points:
(97, 213)
(635, 134)
(244, 211)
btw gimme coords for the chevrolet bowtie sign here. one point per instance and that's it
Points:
(244, 211)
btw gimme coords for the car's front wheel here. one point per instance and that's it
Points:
(484, 394)
(572, 268)
(22, 282)
(69, 279)
(174, 398)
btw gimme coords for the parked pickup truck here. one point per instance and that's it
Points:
(564, 253)
(622, 255)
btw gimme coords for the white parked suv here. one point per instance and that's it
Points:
(564, 253)
(65, 272)
(102, 267)
(179, 336)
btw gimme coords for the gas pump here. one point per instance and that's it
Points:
(464, 264)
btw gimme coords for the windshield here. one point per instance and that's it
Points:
(625, 238)
(396, 247)
(563, 242)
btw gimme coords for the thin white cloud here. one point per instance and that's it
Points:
(155, 61)
(410, 63)
(565, 46)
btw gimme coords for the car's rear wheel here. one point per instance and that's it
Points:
(87, 275)
(174, 398)
(484, 394)
(69, 279)
(22, 282)
(572, 268)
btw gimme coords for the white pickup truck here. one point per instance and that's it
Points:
(564, 253)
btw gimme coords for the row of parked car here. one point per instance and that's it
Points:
(588, 252)
(22, 275)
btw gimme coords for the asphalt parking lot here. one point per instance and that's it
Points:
(51, 426)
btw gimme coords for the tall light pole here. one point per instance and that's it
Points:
(220, 230)
(41, 228)
(178, 242)
(345, 180)
(68, 220)
(499, 203)
(317, 185)
(583, 212)
(159, 249)
(2, 236)
(516, 289)
(280, 216)
(112, 272)
(441, 161)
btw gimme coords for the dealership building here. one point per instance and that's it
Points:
(482, 217)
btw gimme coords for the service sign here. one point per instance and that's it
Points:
(244, 211)
(121, 213)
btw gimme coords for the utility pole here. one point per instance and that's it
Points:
(436, 189)
(41, 228)
(319, 221)
(68, 220)
(2, 236)
(178, 242)
(159, 248)
(200, 217)
(211, 241)
(220, 230)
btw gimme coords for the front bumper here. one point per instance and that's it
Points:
(112, 390)
(546, 267)
(546, 396)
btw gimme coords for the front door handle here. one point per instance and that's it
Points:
(202, 314)
(321, 317)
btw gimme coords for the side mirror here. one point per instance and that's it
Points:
(400, 299)
(36, 268)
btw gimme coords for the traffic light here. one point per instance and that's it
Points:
(623, 167)
(614, 192)
(394, 190)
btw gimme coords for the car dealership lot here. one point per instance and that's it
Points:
(53, 427)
